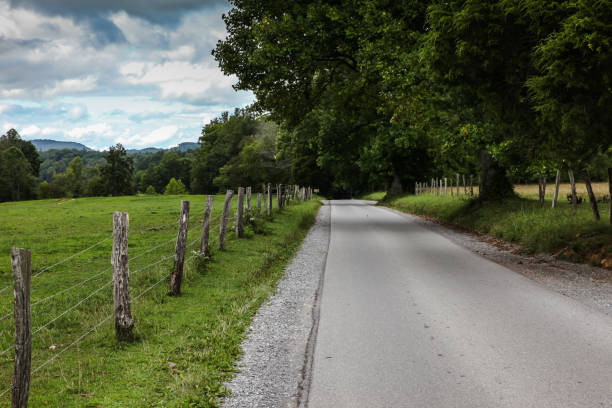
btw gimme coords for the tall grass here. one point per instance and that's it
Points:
(523, 221)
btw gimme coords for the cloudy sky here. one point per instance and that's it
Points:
(100, 72)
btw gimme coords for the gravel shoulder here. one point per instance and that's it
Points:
(277, 352)
(587, 284)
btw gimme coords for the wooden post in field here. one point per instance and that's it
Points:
(204, 247)
(610, 192)
(541, 188)
(269, 201)
(445, 186)
(259, 203)
(227, 204)
(21, 261)
(464, 185)
(457, 184)
(472, 185)
(179, 251)
(239, 213)
(279, 196)
(248, 201)
(124, 323)
(556, 192)
(570, 173)
(592, 199)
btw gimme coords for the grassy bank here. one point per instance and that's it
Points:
(185, 347)
(576, 237)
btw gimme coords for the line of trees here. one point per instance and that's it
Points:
(235, 149)
(371, 91)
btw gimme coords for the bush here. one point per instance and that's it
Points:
(150, 190)
(175, 187)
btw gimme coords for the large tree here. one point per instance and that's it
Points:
(118, 171)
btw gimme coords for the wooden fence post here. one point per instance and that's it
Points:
(179, 251)
(124, 323)
(464, 185)
(592, 199)
(458, 185)
(225, 218)
(279, 196)
(259, 203)
(556, 192)
(21, 261)
(472, 185)
(269, 200)
(248, 201)
(570, 173)
(204, 247)
(239, 213)
(445, 186)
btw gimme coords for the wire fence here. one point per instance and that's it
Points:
(81, 301)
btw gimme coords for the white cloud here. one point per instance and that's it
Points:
(78, 112)
(92, 131)
(159, 136)
(30, 131)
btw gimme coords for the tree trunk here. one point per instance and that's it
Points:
(592, 199)
(556, 193)
(396, 187)
(494, 185)
(570, 173)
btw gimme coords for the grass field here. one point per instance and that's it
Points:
(185, 346)
(536, 229)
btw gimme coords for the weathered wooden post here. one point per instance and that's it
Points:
(239, 213)
(440, 186)
(21, 261)
(179, 251)
(225, 218)
(445, 186)
(458, 185)
(259, 203)
(279, 196)
(204, 243)
(248, 201)
(124, 323)
(570, 174)
(556, 192)
(472, 185)
(592, 199)
(542, 188)
(464, 185)
(269, 200)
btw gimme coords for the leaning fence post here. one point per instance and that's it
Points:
(225, 218)
(279, 196)
(124, 323)
(179, 250)
(204, 247)
(248, 201)
(259, 203)
(239, 213)
(458, 192)
(570, 174)
(21, 261)
(592, 198)
(269, 200)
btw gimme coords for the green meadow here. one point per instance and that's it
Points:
(185, 347)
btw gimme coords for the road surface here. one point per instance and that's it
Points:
(410, 319)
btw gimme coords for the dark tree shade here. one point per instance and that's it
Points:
(118, 171)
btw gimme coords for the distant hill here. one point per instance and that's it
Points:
(42, 145)
(145, 150)
(186, 146)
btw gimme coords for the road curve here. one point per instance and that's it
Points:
(410, 319)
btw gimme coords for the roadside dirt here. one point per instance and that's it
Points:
(587, 284)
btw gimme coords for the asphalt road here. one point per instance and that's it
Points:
(410, 319)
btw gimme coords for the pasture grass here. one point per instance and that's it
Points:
(536, 229)
(185, 347)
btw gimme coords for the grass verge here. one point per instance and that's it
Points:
(186, 347)
(536, 229)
